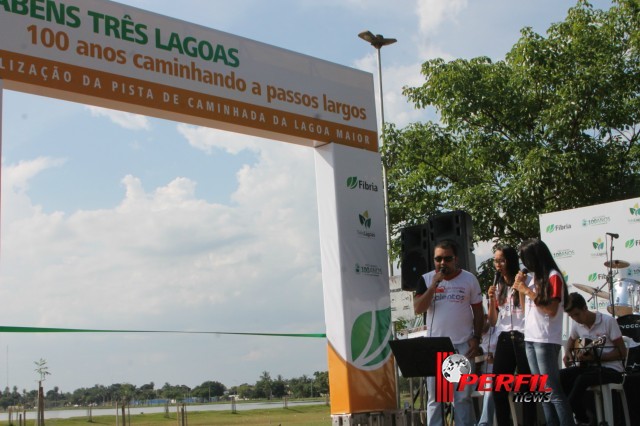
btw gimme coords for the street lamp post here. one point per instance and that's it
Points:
(378, 41)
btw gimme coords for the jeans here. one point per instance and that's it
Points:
(544, 359)
(464, 414)
(576, 380)
(510, 357)
(488, 410)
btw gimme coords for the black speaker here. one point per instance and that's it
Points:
(415, 255)
(458, 227)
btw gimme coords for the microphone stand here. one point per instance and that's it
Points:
(610, 279)
(597, 354)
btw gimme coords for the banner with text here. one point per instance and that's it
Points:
(581, 242)
(355, 277)
(108, 54)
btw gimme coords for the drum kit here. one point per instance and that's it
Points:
(626, 292)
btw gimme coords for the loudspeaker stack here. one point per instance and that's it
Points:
(418, 242)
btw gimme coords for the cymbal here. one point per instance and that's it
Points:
(617, 264)
(591, 290)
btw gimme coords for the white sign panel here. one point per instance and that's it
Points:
(112, 55)
(581, 242)
(355, 279)
(401, 301)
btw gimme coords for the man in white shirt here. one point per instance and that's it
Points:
(452, 299)
(600, 364)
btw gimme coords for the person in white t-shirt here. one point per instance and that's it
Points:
(506, 313)
(599, 365)
(546, 297)
(452, 300)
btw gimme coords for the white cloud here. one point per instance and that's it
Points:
(165, 259)
(18, 176)
(16, 180)
(206, 139)
(123, 119)
(397, 108)
(433, 13)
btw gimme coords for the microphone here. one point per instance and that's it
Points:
(525, 271)
(443, 271)
(497, 277)
(612, 235)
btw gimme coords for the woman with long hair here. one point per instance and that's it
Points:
(506, 314)
(546, 296)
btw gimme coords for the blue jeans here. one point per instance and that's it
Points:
(544, 358)
(464, 413)
(488, 410)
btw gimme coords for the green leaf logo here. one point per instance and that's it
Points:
(551, 228)
(635, 210)
(365, 220)
(370, 337)
(352, 182)
(593, 277)
(629, 243)
(598, 245)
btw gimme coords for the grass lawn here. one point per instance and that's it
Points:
(309, 415)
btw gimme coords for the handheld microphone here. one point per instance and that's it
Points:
(497, 278)
(443, 271)
(525, 271)
(612, 235)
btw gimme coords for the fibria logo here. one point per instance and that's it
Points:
(595, 276)
(553, 227)
(631, 243)
(353, 182)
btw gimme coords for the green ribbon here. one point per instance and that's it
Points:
(13, 329)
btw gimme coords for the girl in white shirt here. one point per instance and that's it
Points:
(546, 296)
(506, 313)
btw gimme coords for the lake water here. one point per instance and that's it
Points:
(134, 411)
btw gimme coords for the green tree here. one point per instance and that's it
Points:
(278, 387)
(42, 369)
(247, 391)
(551, 127)
(321, 382)
(146, 392)
(300, 387)
(209, 389)
(263, 386)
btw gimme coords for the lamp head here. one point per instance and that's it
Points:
(376, 41)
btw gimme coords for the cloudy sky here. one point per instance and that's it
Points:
(124, 222)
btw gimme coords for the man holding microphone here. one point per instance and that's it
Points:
(452, 300)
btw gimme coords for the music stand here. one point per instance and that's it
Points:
(417, 357)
